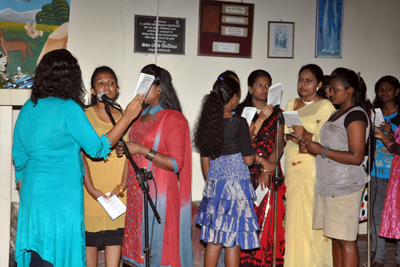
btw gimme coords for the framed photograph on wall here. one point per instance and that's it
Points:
(280, 39)
(328, 29)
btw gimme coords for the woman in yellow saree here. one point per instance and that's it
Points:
(305, 246)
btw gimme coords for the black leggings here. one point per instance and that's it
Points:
(37, 261)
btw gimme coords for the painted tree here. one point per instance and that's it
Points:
(55, 13)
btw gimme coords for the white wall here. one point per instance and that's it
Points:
(101, 32)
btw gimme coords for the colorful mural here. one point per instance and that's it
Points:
(28, 30)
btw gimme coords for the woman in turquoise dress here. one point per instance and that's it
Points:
(49, 134)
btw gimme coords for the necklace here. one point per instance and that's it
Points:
(308, 103)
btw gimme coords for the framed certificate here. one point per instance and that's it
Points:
(225, 29)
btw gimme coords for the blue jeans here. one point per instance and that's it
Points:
(378, 244)
(37, 261)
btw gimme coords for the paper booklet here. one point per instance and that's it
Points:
(274, 94)
(113, 206)
(249, 113)
(260, 195)
(291, 118)
(144, 84)
(377, 117)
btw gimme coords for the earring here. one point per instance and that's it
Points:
(159, 92)
(317, 89)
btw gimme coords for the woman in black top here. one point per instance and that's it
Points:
(226, 214)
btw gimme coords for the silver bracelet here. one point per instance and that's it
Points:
(284, 137)
(324, 151)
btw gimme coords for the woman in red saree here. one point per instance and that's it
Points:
(264, 131)
(160, 141)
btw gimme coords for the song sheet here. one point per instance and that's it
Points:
(113, 206)
(274, 94)
(291, 118)
(249, 113)
(144, 84)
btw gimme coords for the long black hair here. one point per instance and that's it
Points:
(348, 78)
(58, 75)
(93, 99)
(168, 97)
(392, 81)
(208, 134)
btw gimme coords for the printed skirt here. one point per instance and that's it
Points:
(226, 212)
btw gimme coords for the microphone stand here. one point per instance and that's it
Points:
(278, 178)
(143, 176)
(371, 142)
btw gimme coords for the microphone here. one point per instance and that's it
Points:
(279, 112)
(106, 100)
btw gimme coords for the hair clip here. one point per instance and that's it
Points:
(221, 78)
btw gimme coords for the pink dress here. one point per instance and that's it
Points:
(390, 226)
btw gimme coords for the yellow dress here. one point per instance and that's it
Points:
(303, 245)
(105, 175)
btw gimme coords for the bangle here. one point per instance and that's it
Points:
(263, 170)
(121, 192)
(389, 146)
(152, 153)
(324, 151)
(261, 157)
(284, 137)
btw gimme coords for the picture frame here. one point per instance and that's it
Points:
(225, 29)
(328, 29)
(280, 39)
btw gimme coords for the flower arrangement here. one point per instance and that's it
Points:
(3, 67)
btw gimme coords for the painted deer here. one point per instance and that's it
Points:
(14, 45)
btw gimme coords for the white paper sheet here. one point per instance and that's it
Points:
(260, 195)
(249, 113)
(292, 118)
(274, 94)
(378, 117)
(144, 84)
(113, 206)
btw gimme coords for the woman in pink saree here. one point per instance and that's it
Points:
(160, 142)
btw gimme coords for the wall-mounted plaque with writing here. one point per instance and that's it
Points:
(171, 35)
(226, 29)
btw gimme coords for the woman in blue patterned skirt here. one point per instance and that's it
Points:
(226, 213)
